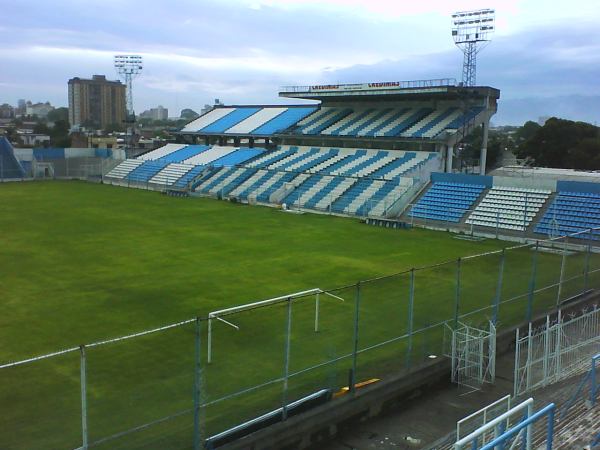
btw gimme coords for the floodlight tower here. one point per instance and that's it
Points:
(128, 67)
(472, 31)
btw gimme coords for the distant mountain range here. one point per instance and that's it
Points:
(576, 107)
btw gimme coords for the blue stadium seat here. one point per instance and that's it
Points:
(184, 153)
(231, 119)
(238, 157)
(572, 212)
(446, 201)
(284, 120)
(147, 170)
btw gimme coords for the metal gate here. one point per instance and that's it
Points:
(473, 354)
(555, 351)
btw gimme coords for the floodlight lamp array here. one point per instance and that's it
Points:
(473, 26)
(128, 64)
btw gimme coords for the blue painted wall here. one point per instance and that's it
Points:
(484, 180)
(578, 186)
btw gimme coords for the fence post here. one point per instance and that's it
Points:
(546, 350)
(286, 356)
(529, 363)
(499, 287)
(593, 385)
(557, 344)
(563, 263)
(84, 430)
(355, 338)
(532, 282)
(197, 386)
(411, 303)
(517, 363)
(457, 294)
(586, 270)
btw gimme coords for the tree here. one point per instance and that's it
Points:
(59, 134)
(56, 114)
(41, 128)
(564, 144)
(188, 113)
(113, 127)
(527, 131)
(472, 147)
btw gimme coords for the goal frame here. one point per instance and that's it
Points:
(216, 315)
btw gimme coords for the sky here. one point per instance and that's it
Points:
(544, 57)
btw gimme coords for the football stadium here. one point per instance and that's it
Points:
(282, 272)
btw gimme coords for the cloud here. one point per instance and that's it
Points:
(242, 50)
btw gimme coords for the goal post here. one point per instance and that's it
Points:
(218, 315)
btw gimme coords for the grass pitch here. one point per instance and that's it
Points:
(84, 262)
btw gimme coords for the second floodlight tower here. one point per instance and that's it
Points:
(472, 31)
(128, 67)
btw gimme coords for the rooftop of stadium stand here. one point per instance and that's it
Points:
(443, 88)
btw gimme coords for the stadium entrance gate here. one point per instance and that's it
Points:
(473, 354)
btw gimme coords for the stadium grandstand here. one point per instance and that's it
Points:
(381, 150)
(361, 149)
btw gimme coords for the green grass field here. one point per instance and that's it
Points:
(84, 262)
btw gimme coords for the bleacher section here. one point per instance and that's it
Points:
(413, 122)
(447, 201)
(144, 172)
(171, 173)
(572, 212)
(328, 179)
(248, 120)
(176, 165)
(508, 208)
(123, 169)
(9, 166)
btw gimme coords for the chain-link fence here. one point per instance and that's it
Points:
(157, 389)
